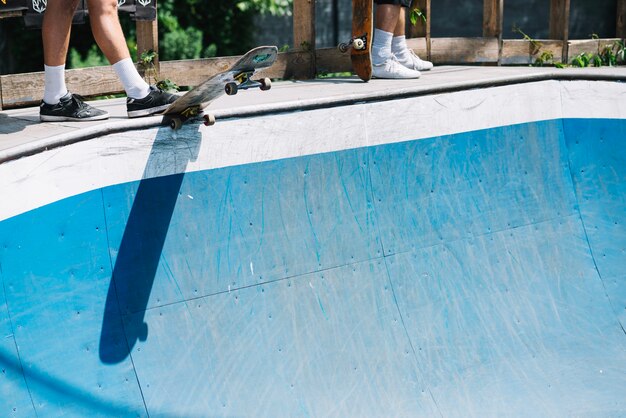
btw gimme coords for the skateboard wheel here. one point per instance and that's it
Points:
(359, 44)
(231, 88)
(266, 83)
(209, 119)
(176, 124)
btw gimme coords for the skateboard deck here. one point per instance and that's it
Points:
(238, 77)
(360, 44)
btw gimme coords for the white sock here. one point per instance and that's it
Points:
(54, 89)
(398, 45)
(381, 47)
(135, 86)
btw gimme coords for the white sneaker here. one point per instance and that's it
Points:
(391, 68)
(410, 60)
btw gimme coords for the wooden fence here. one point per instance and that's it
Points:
(305, 60)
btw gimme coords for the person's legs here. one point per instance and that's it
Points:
(401, 51)
(58, 104)
(142, 99)
(107, 31)
(400, 28)
(384, 64)
(57, 24)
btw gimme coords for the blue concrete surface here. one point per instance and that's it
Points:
(477, 274)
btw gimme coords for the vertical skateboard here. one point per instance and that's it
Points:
(360, 45)
(238, 77)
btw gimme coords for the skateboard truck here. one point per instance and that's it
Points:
(177, 122)
(243, 81)
(358, 43)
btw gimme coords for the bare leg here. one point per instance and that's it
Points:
(57, 24)
(400, 28)
(400, 49)
(387, 17)
(107, 30)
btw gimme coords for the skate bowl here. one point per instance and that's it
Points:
(455, 254)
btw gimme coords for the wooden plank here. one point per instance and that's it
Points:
(620, 28)
(331, 60)
(304, 36)
(419, 45)
(492, 21)
(27, 89)
(421, 29)
(464, 50)
(520, 51)
(194, 72)
(559, 23)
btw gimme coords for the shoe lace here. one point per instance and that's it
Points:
(79, 101)
(392, 63)
(414, 55)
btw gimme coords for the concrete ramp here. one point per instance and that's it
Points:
(336, 262)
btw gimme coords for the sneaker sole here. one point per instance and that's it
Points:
(51, 118)
(147, 112)
(394, 77)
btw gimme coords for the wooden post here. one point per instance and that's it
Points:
(148, 39)
(559, 23)
(421, 29)
(621, 19)
(304, 37)
(492, 22)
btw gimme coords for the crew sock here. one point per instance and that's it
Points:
(54, 78)
(134, 85)
(381, 47)
(398, 46)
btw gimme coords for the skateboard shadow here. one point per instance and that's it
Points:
(142, 243)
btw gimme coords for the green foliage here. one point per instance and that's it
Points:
(146, 64)
(93, 58)
(613, 54)
(415, 15)
(582, 60)
(609, 55)
(167, 85)
(545, 58)
(181, 44)
(334, 75)
(273, 7)
(199, 28)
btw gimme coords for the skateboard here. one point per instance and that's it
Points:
(238, 77)
(360, 45)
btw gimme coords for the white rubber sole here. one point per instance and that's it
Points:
(51, 118)
(147, 112)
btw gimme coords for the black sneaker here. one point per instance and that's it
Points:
(71, 107)
(156, 101)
